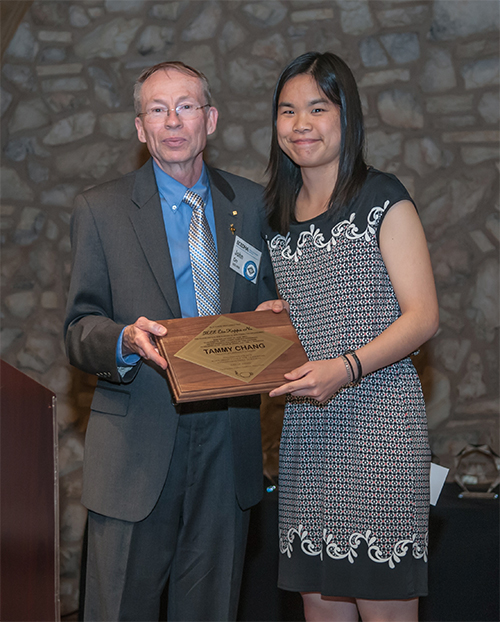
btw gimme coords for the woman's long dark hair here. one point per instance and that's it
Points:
(335, 79)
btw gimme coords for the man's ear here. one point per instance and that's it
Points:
(213, 115)
(140, 130)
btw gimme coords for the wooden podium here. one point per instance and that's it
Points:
(29, 555)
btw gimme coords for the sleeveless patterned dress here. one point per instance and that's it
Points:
(354, 471)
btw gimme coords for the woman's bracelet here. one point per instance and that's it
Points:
(358, 365)
(349, 369)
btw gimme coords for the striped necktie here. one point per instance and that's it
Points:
(204, 263)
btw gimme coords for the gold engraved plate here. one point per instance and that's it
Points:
(234, 349)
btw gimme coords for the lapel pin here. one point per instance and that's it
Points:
(232, 228)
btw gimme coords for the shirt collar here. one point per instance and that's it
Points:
(172, 191)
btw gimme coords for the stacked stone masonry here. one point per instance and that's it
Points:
(428, 72)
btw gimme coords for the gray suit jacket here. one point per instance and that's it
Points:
(122, 270)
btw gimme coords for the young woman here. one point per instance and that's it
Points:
(353, 270)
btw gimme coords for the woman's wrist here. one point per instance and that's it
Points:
(348, 368)
(356, 366)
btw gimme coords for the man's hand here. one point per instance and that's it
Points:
(274, 305)
(138, 338)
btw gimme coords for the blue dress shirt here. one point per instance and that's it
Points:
(177, 217)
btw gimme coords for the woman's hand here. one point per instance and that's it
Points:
(317, 379)
(274, 305)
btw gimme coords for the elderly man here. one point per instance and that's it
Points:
(168, 487)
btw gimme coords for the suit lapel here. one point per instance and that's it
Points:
(147, 220)
(227, 225)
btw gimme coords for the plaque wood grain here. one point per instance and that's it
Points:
(191, 383)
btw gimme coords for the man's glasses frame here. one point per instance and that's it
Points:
(160, 113)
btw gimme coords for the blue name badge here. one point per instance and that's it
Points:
(245, 259)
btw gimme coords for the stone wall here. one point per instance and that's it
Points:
(429, 79)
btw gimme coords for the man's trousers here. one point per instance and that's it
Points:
(195, 538)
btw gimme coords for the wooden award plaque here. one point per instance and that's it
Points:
(253, 349)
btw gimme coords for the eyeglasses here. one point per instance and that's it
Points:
(160, 113)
